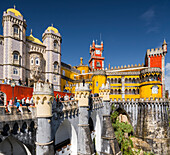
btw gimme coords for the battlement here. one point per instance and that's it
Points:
(43, 88)
(125, 67)
(151, 70)
(156, 51)
(81, 87)
(105, 87)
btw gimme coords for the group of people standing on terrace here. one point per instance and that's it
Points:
(10, 81)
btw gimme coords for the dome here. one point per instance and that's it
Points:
(53, 29)
(32, 38)
(16, 12)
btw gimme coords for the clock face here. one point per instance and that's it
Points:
(97, 51)
(155, 90)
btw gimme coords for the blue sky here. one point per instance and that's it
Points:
(127, 27)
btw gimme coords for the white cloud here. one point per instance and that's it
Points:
(148, 15)
(167, 77)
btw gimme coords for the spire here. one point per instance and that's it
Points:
(14, 6)
(52, 25)
(81, 61)
(164, 42)
(31, 32)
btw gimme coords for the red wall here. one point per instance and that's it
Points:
(21, 91)
(156, 61)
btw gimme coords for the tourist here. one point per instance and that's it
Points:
(10, 102)
(23, 101)
(19, 82)
(5, 81)
(15, 101)
(31, 101)
(27, 102)
(18, 104)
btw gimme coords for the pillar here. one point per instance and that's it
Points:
(84, 137)
(43, 98)
(109, 141)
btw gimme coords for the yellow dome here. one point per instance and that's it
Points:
(32, 38)
(52, 28)
(16, 12)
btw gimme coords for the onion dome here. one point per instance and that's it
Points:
(13, 10)
(33, 39)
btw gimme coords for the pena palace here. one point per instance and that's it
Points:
(27, 57)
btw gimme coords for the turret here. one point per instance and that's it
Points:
(164, 46)
(43, 99)
(52, 40)
(96, 61)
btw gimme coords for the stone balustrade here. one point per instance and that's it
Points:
(97, 102)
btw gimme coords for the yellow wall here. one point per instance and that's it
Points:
(146, 90)
(100, 79)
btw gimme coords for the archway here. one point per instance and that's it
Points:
(2, 98)
(12, 146)
(65, 136)
(98, 134)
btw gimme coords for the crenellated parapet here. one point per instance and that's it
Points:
(104, 92)
(67, 108)
(82, 93)
(155, 52)
(43, 98)
(97, 102)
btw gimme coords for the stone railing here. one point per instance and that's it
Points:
(150, 70)
(141, 100)
(97, 102)
(40, 87)
(68, 108)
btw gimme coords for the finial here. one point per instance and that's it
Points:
(164, 41)
(109, 66)
(31, 32)
(14, 6)
(81, 61)
(96, 41)
(52, 25)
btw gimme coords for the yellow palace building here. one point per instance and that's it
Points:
(145, 80)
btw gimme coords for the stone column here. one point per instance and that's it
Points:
(43, 98)
(123, 87)
(109, 142)
(84, 137)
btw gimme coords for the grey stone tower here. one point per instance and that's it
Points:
(43, 98)
(52, 40)
(84, 140)
(14, 28)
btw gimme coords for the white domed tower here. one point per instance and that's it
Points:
(52, 40)
(14, 28)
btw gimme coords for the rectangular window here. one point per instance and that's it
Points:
(63, 72)
(93, 64)
(15, 30)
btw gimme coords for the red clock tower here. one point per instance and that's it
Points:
(96, 61)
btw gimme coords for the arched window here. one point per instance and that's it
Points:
(55, 44)
(115, 91)
(133, 80)
(119, 91)
(130, 80)
(16, 56)
(111, 91)
(15, 71)
(119, 80)
(126, 91)
(37, 61)
(130, 91)
(111, 80)
(108, 80)
(16, 29)
(126, 80)
(56, 66)
(115, 80)
(133, 91)
(32, 61)
(55, 78)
